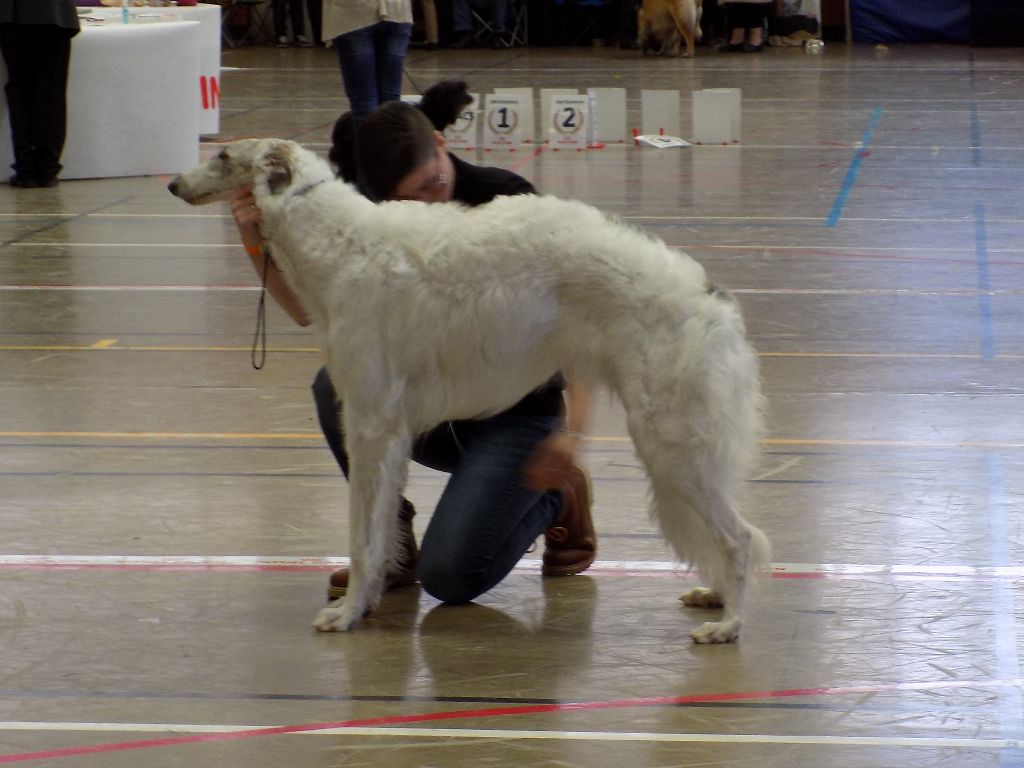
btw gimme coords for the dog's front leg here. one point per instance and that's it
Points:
(378, 466)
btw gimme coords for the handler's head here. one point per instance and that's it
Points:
(402, 157)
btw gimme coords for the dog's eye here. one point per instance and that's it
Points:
(223, 156)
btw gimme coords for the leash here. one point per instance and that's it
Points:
(258, 353)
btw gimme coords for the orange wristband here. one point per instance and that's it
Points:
(253, 250)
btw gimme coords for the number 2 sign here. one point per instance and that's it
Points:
(569, 124)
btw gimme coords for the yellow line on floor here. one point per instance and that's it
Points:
(114, 346)
(983, 444)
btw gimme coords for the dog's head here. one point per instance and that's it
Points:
(238, 164)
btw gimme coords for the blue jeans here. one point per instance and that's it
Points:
(371, 65)
(486, 518)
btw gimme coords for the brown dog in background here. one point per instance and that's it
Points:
(663, 24)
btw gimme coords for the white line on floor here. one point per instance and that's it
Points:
(510, 734)
(970, 292)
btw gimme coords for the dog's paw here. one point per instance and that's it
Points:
(716, 632)
(339, 616)
(702, 597)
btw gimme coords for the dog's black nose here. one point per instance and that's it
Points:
(173, 186)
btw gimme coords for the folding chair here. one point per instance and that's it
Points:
(515, 25)
(518, 28)
(248, 16)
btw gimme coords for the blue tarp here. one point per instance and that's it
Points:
(910, 21)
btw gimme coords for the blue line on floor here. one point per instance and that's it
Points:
(988, 343)
(851, 173)
(975, 120)
(1009, 704)
(975, 135)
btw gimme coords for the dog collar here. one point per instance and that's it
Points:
(303, 190)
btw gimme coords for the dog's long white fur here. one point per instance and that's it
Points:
(427, 313)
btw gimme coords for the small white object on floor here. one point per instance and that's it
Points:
(662, 142)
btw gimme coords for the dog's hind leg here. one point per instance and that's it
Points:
(704, 528)
(695, 426)
(686, 29)
(377, 473)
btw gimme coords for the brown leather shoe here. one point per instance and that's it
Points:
(405, 572)
(570, 545)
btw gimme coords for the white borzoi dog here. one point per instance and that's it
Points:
(427, 313)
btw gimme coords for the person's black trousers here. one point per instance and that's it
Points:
(37, 59)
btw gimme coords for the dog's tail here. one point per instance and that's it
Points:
(696, 425)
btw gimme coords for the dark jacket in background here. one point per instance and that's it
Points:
(59, 13)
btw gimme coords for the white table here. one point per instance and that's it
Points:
(132, 108)
(208, 15)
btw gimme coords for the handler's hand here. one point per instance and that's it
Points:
(548, 468)
(247, 217)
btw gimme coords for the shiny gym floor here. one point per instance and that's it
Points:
(169, 515)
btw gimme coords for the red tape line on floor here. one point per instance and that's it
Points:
(123, 746)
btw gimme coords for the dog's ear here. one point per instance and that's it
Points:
(276, 164)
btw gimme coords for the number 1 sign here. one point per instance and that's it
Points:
(502, 122)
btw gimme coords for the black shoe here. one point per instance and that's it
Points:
(465, 40)
(26, 182)
(731, 47)
(751, 48)
(404, 572)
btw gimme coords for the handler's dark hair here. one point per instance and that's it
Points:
(343, 145)
(392, 141)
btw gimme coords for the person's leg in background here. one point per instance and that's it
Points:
(391, 43)
(49, 120)
(736, 20)
(315, 8)
(358, 61)
(298, 17)
(746, 26)
(280, 12)
(20, 92)
(430, 24)
(462, 24)
(756, 17)
(37, 59)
